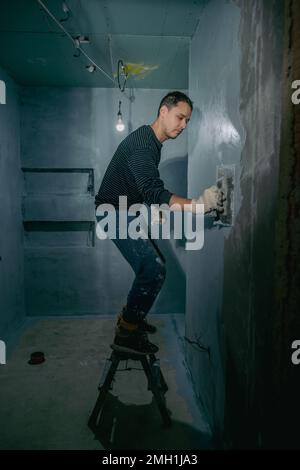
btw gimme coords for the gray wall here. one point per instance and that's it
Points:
(216, 137)
(11, 232)
(235, 79)
(250, 255)
(75, 128)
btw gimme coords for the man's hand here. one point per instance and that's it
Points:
(213, 200)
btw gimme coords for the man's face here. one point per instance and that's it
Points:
(175, 120)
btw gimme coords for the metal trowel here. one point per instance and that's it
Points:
(225, 180)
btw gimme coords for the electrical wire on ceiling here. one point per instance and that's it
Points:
(111, 57)
(122, 71)
(93, 65)
(120, 126)
(129, 84)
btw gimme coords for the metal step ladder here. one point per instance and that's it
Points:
(156, 382)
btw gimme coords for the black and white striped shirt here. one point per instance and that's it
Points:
(133, 171)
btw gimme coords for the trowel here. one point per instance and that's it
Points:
(225, 179)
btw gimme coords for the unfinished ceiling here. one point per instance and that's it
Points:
(152, 33)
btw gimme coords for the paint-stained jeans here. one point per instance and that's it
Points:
(148, 264)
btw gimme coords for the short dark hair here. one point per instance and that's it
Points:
(173, 98)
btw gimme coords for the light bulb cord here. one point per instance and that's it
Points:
(119, 112)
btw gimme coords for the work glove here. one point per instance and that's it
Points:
(213, 199)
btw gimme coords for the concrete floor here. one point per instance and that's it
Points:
(47, 406)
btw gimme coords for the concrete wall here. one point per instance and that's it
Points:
(75, 128)
(284, 360)
(250, 252)
(235, 77)
(215, 138)
(11, 232)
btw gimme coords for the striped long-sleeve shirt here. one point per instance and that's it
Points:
(133, 171)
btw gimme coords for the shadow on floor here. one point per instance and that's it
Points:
(129, 426)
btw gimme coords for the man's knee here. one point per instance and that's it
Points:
(160, 271)
(153, 270)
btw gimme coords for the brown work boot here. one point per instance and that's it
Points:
(147, 327)
(129, 338)
(143, 325)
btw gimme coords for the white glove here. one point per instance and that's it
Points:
(212, 198)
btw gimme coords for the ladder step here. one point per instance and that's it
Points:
(156, 382)
(105, 371)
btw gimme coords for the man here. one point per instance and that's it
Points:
(133, 172)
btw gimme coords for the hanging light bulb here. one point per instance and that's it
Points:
(120, 124)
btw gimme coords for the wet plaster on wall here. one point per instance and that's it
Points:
(249, 251)
(216, 137)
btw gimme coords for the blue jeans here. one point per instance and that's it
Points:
(148, 264)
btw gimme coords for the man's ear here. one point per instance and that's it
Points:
(163, 110)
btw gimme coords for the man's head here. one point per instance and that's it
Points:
(174, 113)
